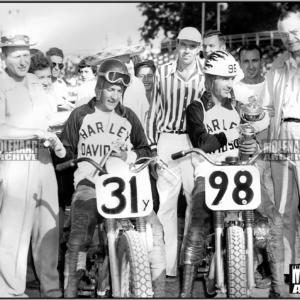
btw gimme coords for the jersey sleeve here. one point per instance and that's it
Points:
(197, 132)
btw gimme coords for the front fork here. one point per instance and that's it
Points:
(248, 216)
(218, 227)
(114, 270)
(141, 227)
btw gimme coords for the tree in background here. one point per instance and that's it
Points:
(242, 17)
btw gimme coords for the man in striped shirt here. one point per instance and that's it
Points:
(178, 83)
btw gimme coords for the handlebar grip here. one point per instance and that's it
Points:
(178, 155)
(65, 165)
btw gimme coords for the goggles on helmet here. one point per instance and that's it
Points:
(117, 77)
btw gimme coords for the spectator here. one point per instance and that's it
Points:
(281, 98)
(135, 94)
(87, 90)
(56, 56)
(145, 71)
(35, 51)
(213, 40)
(251, 62)
(178, 83)
(29, 202)
(40, 67)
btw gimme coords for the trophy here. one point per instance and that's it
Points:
(250, 113)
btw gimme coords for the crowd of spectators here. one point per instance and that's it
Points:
(71, 76)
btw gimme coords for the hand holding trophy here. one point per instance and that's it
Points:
(250, 113)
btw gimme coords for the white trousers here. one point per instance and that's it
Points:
(169, 188)
(28, 206)
(286, 179)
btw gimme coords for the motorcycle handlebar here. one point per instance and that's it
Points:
(217, 163)
(74, 162)
(65, 165)
(178, 155)
(198, 151)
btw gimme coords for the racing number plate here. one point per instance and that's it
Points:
(233, 188)
(124, 195)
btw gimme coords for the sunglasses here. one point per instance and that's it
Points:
(117, 77)
(60, 66)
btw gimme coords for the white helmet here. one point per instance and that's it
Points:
(221, 63)
(191, 34)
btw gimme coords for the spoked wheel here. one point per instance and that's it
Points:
(236, 263)
(134, 270)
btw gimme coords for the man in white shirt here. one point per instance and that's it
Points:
(135, 95)
(56, 56)
(281, 98)
(87, 90)
(251, 62)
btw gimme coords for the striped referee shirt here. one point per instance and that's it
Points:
(171, 96)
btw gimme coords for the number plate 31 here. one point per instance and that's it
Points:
(233, 188)
(124, 195)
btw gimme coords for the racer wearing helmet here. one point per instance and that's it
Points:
(213, 124)
(89, 132)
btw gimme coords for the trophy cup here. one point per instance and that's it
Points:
(250, 113)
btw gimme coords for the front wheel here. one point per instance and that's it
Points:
(134, 270)
(236, 263)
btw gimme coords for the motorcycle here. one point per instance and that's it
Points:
(118, 256)
(232, 193)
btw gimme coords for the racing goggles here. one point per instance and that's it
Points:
(117, 77)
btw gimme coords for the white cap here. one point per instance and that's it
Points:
(221, 63)
(191, 34)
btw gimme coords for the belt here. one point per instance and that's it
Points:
(177, 132)
(291, 120)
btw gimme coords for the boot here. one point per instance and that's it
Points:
(158, 282)
(278, 288)
(189, 276)
(72, 284)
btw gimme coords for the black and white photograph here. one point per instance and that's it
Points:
(149, 149)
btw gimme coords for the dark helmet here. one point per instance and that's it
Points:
(115, 71)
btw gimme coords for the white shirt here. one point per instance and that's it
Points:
(61, 91)
(135, 98)
(86, 92)
(242, 92)
(291, 102)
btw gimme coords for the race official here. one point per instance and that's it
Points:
(281, 98)
(29, 200)
(177, 84)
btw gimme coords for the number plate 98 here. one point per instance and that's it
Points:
(124, 195)
(233, 188)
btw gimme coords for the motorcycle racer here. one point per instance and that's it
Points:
(89, 132)
(213, 126)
